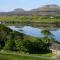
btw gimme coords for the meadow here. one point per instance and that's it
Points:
(45, 19)
(17, 57)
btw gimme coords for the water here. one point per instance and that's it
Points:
(35, 31)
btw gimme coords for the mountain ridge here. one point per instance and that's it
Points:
(44, 10)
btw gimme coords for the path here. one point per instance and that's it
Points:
(57, 54)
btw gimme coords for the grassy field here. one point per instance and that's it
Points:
(45, 55)
(9, 55)
(17, 57)
(35, 21)
(27, 18)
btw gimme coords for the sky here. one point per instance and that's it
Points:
(9, 5)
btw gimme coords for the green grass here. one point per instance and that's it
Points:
(17, 57)
(27, 18)
(35, 21)
(45, 55)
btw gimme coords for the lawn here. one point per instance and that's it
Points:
(45, 55)
(17, 57)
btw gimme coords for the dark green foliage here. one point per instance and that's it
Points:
(8, 37)
(47, 35)
(10, 45)
(16, 41)
(4, 32)
(36, 47)
(20, 45)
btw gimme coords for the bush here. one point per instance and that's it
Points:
(10, 45)
(36, 47)
(20, 45)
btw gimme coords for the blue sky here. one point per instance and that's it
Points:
(8, 5)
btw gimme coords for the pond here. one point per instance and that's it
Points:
(36, 32)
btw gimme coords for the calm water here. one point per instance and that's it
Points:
(35, 31)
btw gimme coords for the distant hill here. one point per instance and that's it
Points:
(45, 10)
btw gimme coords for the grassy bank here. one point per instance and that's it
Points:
(17, 57)
(45, 55)
(11, 55)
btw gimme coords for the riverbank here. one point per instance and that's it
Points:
(19, 56)
(9, 55)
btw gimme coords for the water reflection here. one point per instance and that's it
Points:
(36, 32)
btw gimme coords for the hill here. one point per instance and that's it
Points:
(48, 9)
(44, 10)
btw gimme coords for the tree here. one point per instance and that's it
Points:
(10, 45)
(47, 35)
(20, 45)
